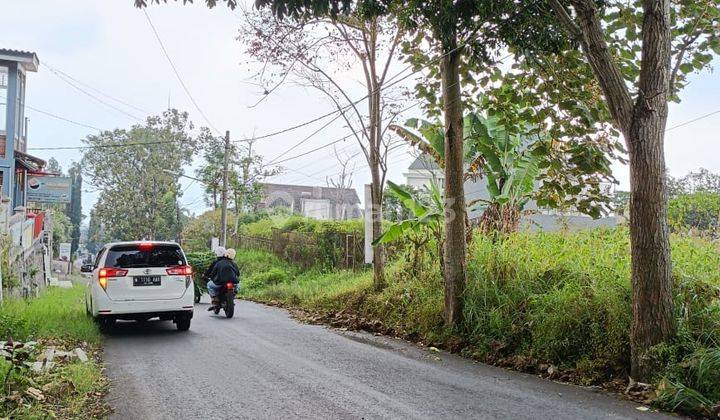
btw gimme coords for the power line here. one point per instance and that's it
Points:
(68, 120)
(298, 144)
(74, 79)
(177, 73)
(710, 114)
(278, 132)
(90, 95)
(103, 146)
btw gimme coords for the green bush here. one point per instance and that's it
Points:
(57, 313)
(251, 262)
(699, 210)
(200, 262)
(265, 278)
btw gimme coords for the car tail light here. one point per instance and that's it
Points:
(180, 270)
(145, 246)
(105, 273)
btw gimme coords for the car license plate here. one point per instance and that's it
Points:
(146, 281)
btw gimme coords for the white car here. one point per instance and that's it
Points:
(139, 281)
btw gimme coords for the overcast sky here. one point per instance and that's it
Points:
(109, 45)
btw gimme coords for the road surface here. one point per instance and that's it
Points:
(263, 364)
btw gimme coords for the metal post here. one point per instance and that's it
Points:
(223, 234)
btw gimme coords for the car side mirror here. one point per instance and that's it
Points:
(87, 268)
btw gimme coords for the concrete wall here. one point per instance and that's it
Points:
(552, 222)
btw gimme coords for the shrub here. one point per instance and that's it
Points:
(200, 262)
(699, 210)
(251, 262)
(56, 314)
(562, 298)
(265, 278)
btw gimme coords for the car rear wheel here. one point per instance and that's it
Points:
(106, 324)
(182, 323)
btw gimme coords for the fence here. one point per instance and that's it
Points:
(307, 249)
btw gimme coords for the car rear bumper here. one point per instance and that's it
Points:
(167, 315)
(104, 306)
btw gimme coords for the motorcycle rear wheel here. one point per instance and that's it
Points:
(229, 305)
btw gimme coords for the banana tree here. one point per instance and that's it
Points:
(511, 169)
(509, 162)
(427, 211)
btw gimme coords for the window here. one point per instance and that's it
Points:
(3, 98)
(317, 209)
(131, 256)
(20, 112)
(97, 258)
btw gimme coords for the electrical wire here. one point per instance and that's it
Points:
(80, 82)
(177, 74)
(90, 95)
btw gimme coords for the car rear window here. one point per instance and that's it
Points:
(131, 256)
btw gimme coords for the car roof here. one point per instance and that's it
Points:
(112, 244)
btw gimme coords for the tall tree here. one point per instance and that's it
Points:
(317, 51)
(211, 171)
(640, 52)
(459, 34)
(137, 172)
(53, 166)
(248, 171)
(477, 27)
(341, 183)
(75, 206)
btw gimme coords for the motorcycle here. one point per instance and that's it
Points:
(226, 300)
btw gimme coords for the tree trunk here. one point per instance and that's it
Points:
(454, 252)
(651, 265)
(376, 192)
(643, 126)
(379, 250)
(375, 129)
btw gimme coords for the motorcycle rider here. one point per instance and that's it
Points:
(223, 271)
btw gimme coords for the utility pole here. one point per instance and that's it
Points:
(223, 235)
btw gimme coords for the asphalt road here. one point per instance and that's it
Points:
(263, 364)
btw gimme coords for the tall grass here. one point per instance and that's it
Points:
(57, 313)
(561, 298)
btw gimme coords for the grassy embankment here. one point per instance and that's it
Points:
(70, 390)
(531, 300)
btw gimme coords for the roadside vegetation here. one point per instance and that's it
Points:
(555, 304)
(65, 386)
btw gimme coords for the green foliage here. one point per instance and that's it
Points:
(56, 314)
(393, 209)
(10, 278)
(11, 325)
(562, 298)
(62, 230)
(70, 390)
(200, 262)
(74, 209)
(199, 230)
(699, 211)
(427, 216)
(138, 197)
(252, 262)
(264, 279)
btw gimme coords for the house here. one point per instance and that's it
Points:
(424, 170)
(15, 163)
(324, 203)
(28, 231)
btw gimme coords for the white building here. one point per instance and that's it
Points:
(423, 170)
